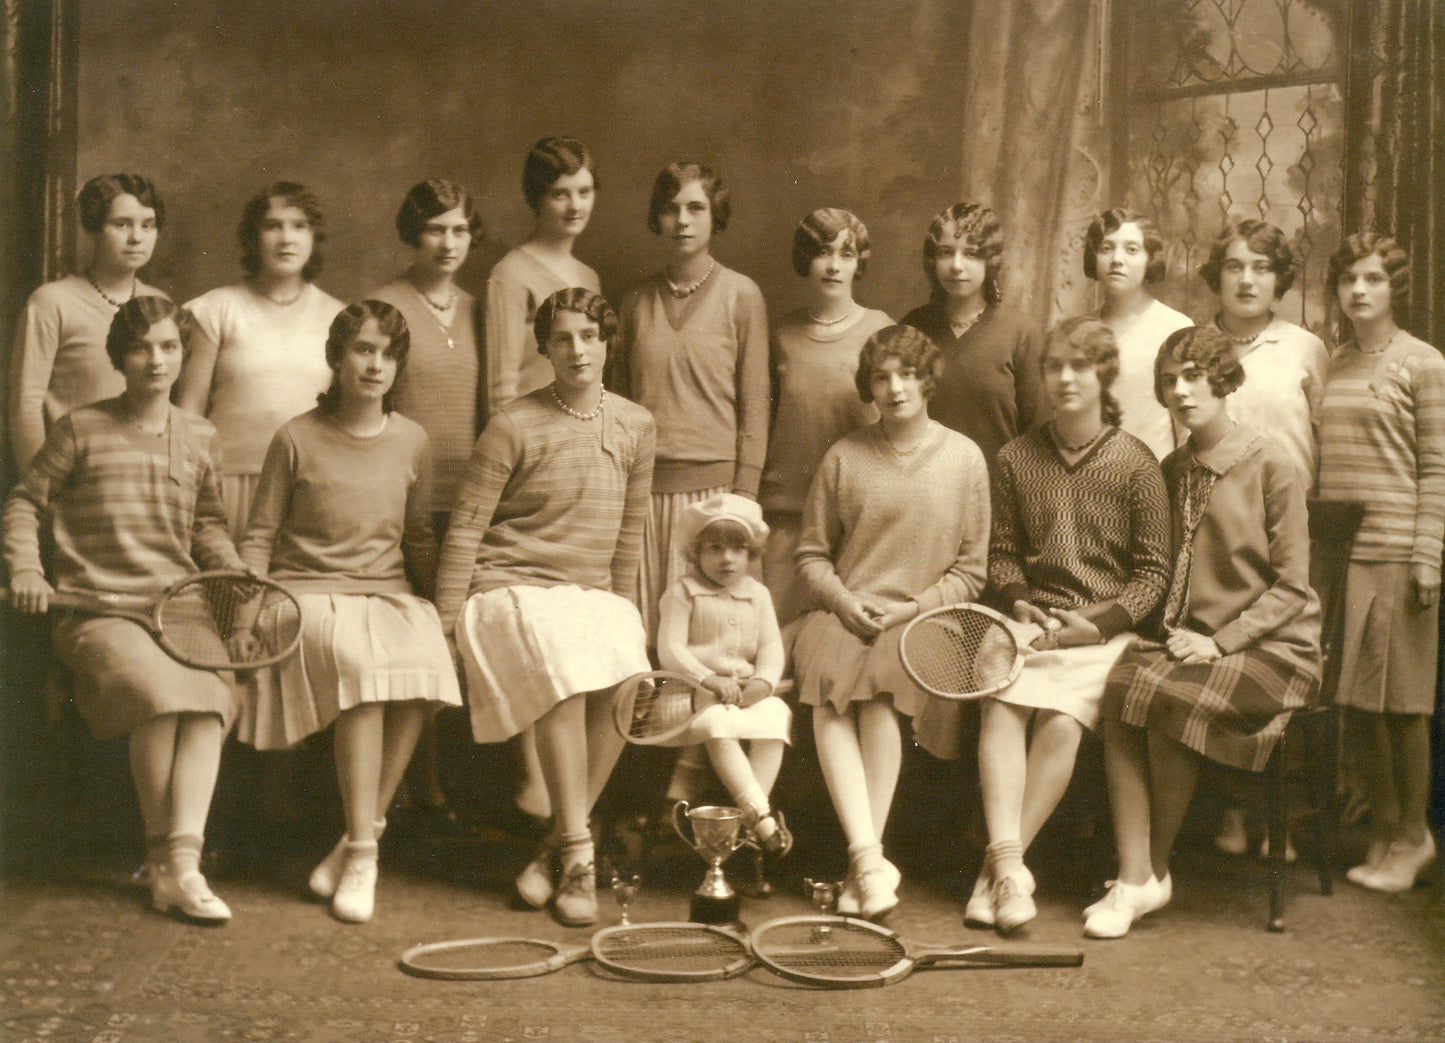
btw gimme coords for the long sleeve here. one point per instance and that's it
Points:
(753, 387)
(418, 536)
(626, 560)
(965, 577)
(821, 537)
(1429, 395)
(772, 656)
(493, 458)
(1149, 559)
(506, 339)
(29, 502)
(32, 358)
(1287, 533)
(1029, 397)
(674, 624)
(1005, 564)
(271, 503)
(210, 534)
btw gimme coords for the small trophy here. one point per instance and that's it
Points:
(625, 885)
(715, 835)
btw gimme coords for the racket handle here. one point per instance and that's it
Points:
(1023, 956)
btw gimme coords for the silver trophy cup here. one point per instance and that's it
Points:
(714, 833)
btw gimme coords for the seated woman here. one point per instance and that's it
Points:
(58, 361)
(1081, 548)
(126, 494)
(538, 582)
(342, 517)
(1242, 626)
(875, 553)
(814, 357)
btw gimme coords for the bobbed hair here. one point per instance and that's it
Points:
(134, 319)
(343, 331)
(1261, 237)
(99, 192)
(430, 198)
(288, 193)
(583, 302)
(1208, 348)
(669, 183)
(728, 531)
(1393, 259)
(551, 159)
(910, 347)
(1109, 222)
(978, 225)
(1087, 336)
(816, 231)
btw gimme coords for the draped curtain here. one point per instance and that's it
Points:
(1033, 138)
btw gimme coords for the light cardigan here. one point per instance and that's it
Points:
(550, 500)
(912, 527)
(1249, 572)
(707, 629)
(705, 380)
(58, 360)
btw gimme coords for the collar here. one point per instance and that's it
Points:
(1238, 444)
(1269, 335)
(702, 587)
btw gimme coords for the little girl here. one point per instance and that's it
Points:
(342, 517)
(718, 627)
(127, 493)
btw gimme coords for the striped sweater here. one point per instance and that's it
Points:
(1382, 441)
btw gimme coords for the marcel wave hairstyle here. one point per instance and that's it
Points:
(1261, 237)
(133, 320)
(1208, 348)
(669, 183)
(551, 159)
(1109, 222)
(816, 231)
(978, 225)
(910, 347)
(343, 331)
(1393, 259)
(584, 302)
(99, 192)
(1087, 336)
(431, 198)
(287, 193)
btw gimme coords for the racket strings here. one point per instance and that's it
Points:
(669, 951)
(961, 652)
(229, 619)
(837, 951)
(486, 956)
(659, 706)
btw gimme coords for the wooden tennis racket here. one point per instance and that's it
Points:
(961, 651)
(647, 952)
(657, 708)
(840, 952)
(209, 620)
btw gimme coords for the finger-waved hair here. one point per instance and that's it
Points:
(287, 193)
(135, 317)
(1261, 237)
(1111, 221)
(669, 183)
(1393, 259)
(978, 225)
(430, 198)
(99, 192)
(1089, 337)
(1208, 348)
(583, 302)
(550, 160)
(343, 331)
(816, 231)
(910, 347)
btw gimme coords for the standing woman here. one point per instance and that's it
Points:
(896, 523)
(989, 390)
(538, 582)
(1382, 441)
(1125, 255)
(258, 354)
(342, 517)
(1242, 627)
(125, 494)
(58, 361)
(814, 361)
(694, 352)
(559, 182)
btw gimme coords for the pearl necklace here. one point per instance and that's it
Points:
(287, 302)
(572, 412)
(1240, 342)
(688, 291)
(108, 298)
(833, 322)
(903, 452)
(451, 299)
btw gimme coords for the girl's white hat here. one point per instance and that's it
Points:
(722, 507)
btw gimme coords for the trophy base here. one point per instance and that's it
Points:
(720, 911)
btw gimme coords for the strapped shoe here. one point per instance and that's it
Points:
(327, 874)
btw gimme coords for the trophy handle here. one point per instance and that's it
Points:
(679, 812)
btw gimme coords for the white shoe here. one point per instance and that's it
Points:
(878, 890)
(978, 912)
(327, 874)
(355, 897)
(186, 895)
(1012, 905)
(1125, 903)
(1165, 893)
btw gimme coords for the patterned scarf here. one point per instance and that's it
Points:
(1193, 498)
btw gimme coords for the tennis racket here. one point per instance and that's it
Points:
(840, 952)
(209, 620)
(962, 651)
(657, 708)
(647, 952)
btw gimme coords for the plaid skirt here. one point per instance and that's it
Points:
(1231, 710)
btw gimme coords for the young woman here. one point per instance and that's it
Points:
(694, 352)
(258, 354)
(1080, 550)
(989, 390)
(342, 517)
(559, 181)
(126, 494)
(1382, 442)
(874, 553)
(814, 358)
(1125, 255)
(1250, 267)
(538, 582)
(1241, 622)
(58, 361)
